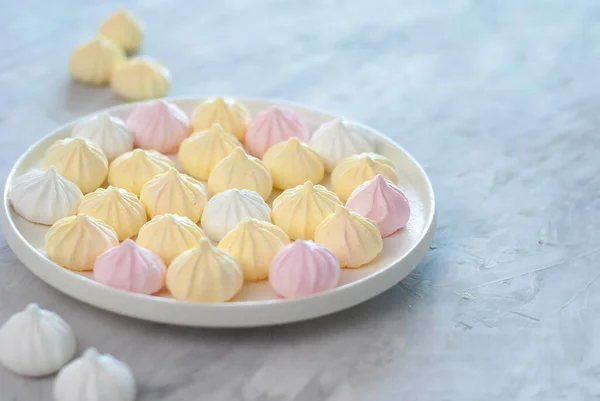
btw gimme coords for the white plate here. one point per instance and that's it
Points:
(257, 304)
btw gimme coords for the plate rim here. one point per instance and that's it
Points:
(28, 255)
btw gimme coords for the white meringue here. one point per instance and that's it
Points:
(95, 377)
(44, 197)
(110, 133)
(226, 209)
(36, 342)
(340, 138)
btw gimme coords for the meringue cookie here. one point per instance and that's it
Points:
(339, 139)
(110, 133)
(204, 274)
(158, 125)
(242, 171)
(298, 211)
(381, 201)
(293, 163)
(173, 192)
(123, 29)
(44, 197)
(95, 61)
(254, 243)
(97, 377)
(232, 115)
(271, 127)
(201, 152)
(118, 208)
(133, 169)
(303, 268)
(79, 161)
(141, 78)
(130, 267)
(75, 242)
(36, 342)
(168, 235)
(354, 239)
(226, 209)
(354, 170)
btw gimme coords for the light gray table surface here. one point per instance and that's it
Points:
(500, 102)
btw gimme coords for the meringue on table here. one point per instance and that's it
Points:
(123, 29)
(130, 267)
(355, 240)
(292, 163)
(226, 209)
(205, 274)
(140, 78)
(75, 242)
(94, 62)
(95, 377)
(36, 342)
(79, 161)
(133, 169)
(173, 192)
(110, 133)
(44, 197)
(158, 125)
(118, 208)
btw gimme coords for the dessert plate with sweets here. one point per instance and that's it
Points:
(218, 212)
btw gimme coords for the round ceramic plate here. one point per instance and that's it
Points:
(256, 304)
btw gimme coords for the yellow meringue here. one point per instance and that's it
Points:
(254, 243)
(204, 274)
(79, 161)
(168, 235)
(354, 170)
(298, 211)
(133, 169)
(200, 152)
(75, 242)
(232, 115)
(123, 29)
(94, 62)
(355, 240)
(173, 192)
(118, 208)
(242, 171)
(141, 78)
(293, 163)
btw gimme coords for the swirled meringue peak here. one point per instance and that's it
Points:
(122, 28)
(201, 151)
(94, 62)
(95, 377)
(226, 209)
(79, 161)
(298, 211)
(242, 171)
(381, 201)
(340, 138)
(130, 267)
(44, 197)
(272, 126)
(133, 169)
(110, 133)
(158, 125)
(36, 342)
(354, 239)
(141, 78)
(232, 115)
(354, 170)
(293, 163)
(303, 268)
(75, 242)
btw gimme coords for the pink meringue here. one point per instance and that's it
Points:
(303, 268)
(381, 201)
(158, 125)
(130, 267)
(271, 127)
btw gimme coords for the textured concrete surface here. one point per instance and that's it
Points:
(498, 99)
